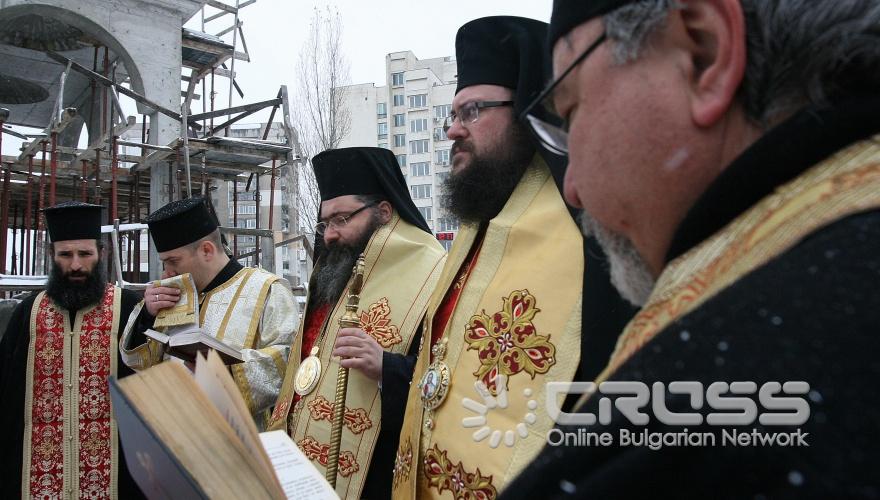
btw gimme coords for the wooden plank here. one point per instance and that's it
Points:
(222, 6)
(210, 48)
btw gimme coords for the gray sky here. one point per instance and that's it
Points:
(275, 30)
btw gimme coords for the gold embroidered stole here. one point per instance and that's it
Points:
(516, 326)
(402, 265)
(842, 185)
(231, 313)
(70, 443)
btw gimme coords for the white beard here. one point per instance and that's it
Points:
(629, 272)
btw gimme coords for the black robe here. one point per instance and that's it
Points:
(13, 368)
(810, 314)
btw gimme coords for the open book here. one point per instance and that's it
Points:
(185, 343)
(191, 436)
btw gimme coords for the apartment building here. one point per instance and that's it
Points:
(406, 116)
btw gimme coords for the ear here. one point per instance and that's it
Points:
(207, 249)
(385, 211)
(717, 39)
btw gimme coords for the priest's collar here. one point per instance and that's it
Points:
(779, 156)
(225, 274)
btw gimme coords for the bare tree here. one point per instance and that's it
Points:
(320, 115)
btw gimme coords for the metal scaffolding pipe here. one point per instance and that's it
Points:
(257, 238)
(128, 242)
(4, 217)
(42, 201)
(32, 262)
(271, 194)
(14, 220)
(21, 247)
(235, 214)
(54, 166)
(137, 218)
(97, 177)
(85, 183)
(114, 194)
(29, 209)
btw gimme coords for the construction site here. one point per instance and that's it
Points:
(71, 70)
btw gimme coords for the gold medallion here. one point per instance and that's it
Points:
(435, 382)
(307, 374)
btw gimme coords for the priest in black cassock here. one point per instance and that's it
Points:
(59, 435)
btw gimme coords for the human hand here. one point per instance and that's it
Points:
(359, 351)
(157, 298)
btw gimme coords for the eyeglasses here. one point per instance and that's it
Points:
(550, 128)
(338, 221)
(470, 112)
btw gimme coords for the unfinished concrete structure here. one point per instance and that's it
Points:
(66, 67)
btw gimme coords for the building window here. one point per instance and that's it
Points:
(441, 157)
(420, 146)
(382, 130)
(399, 140)
(419, 125)
(441, 178)
(442, 111)
(247, 209)
(398, 99)
(426, 212)
(381, 110)
(418, 101)
(440, 134)
(251, 223)
(384, 145)
(420, 191)
(396, 79)
(420, 168)
(399, 120)
(401, 160)
(447, 224)
(447, 244)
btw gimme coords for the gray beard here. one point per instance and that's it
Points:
(331, 277)
(333, 274)
(630, 274)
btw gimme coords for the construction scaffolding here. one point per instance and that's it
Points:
(51, 168)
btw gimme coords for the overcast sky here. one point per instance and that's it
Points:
(275, 30)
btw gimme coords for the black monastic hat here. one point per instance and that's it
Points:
(180, 223)
(73, 220)
(366, 171)
(506, 51)
(567, 14)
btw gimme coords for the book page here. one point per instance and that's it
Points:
(157, 336)
(298, 477)
(215, 381)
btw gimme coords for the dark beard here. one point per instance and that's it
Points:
(72, 295)
(478, 192)
(331, 277)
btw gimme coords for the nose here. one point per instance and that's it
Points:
(331, 235)
(456, 131)
(75, 264)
